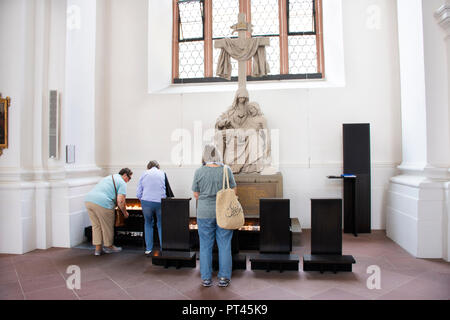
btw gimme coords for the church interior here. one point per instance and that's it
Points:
(346, 198)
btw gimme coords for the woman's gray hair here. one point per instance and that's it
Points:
(211, 154)
(152, 164)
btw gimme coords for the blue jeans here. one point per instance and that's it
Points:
(148, 208)
(208, 230)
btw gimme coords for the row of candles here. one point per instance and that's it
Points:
(243, 228)
(194, 226)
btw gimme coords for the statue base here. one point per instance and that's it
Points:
(252, 187)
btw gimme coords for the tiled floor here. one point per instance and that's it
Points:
(41, 274)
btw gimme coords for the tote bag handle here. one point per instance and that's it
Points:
(225, 177)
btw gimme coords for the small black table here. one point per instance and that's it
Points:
(350, 203)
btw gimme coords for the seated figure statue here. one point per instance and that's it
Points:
(242, 136)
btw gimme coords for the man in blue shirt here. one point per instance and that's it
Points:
(151, 189)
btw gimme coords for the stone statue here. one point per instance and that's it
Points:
(242, 136)
(241, 132)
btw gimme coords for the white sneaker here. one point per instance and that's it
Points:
(148, 252)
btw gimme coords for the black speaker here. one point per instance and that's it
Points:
(275, 235)
(175, 224)
(356, 148)
(356, 140)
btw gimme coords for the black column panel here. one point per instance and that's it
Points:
(275, 234)
(175, 224)
(356, 140)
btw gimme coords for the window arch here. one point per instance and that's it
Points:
(294, 28)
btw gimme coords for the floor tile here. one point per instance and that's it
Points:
(10, 290)
(401, 295)
(8, 276)
(424, 289)
(34, 267)
(212, 293)
(272, 293)
(305, 288)
(440, 277)
(41, 274)
(129, 279)
(60, 293)
(389, 280)
(183, 283)
(336, 294)
(246, 282)
(6, 264)
(155, 291)
(98, 286)
(88, 274)
(42, 282)
(115, 294)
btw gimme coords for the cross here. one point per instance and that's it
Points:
(242, 27)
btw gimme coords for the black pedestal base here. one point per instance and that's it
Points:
(239, 262)
(322, 263)
(275, 261)
(177, 259)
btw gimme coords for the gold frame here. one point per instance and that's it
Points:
(4, 104)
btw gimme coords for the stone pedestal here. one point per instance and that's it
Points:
(252, 187)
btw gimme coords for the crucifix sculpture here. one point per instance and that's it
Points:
(242, 49)
(242, 133)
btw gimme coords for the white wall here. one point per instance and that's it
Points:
(13, 27)
(437, 87)
(16, 210)
(41, 200)
(136, 126)
(80, 82)
(417, 210)
(412, 65)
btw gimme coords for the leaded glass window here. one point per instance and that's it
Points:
(302, 37)
(294, 28)
(224, 11)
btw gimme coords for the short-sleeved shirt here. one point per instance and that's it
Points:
(208, 181)
(104, 194)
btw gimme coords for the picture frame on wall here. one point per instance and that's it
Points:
(4, 104)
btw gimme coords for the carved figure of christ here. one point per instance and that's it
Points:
(244, 49)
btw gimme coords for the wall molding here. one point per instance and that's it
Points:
(83, 171)
(418, 181)
(300, 165)
(14, 174)
(438, 171)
